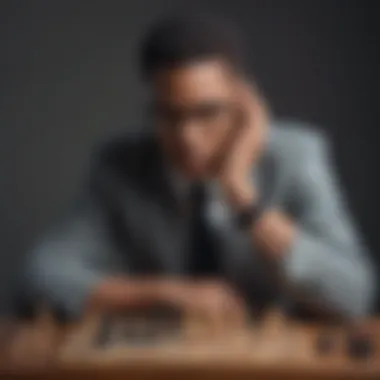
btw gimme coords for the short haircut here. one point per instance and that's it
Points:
(179, 40)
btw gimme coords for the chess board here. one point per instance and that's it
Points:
(273, 348)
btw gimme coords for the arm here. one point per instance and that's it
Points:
(76, 267)
(324, 263)
(323, 259)
(72, 260)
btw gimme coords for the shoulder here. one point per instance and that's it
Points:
(128, 154)
(296, 142)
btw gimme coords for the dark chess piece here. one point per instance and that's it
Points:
(360, 345)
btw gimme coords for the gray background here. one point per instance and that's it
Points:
(68, 78)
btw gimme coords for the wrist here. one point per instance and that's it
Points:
(241, 196)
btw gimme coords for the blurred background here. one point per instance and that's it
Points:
(68, 79)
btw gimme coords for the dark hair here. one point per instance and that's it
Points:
(179, 40)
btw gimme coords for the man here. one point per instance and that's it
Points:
(220, 208)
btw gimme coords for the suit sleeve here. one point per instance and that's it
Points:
(71, 260)
(327, 265)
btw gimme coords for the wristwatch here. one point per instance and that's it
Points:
(248, 217)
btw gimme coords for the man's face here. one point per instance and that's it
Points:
(195, 110)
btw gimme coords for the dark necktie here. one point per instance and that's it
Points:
(203, 255)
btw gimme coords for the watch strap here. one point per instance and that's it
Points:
(248, 217)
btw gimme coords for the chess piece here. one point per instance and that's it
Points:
(360, 345)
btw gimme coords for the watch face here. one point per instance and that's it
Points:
(247, 217)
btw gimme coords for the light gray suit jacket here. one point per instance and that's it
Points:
(130, 222)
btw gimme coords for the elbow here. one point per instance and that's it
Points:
(361, 289)
(340, 282)
(59, 285)
(349, 290)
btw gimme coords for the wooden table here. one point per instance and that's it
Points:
(278, 349)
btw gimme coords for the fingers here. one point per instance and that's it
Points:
(252, 105)
(237, 313)
(222, 309)
(246, 144)
(234, 310)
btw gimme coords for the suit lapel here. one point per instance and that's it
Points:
(168, 231)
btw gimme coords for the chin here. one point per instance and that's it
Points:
(194, 172)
